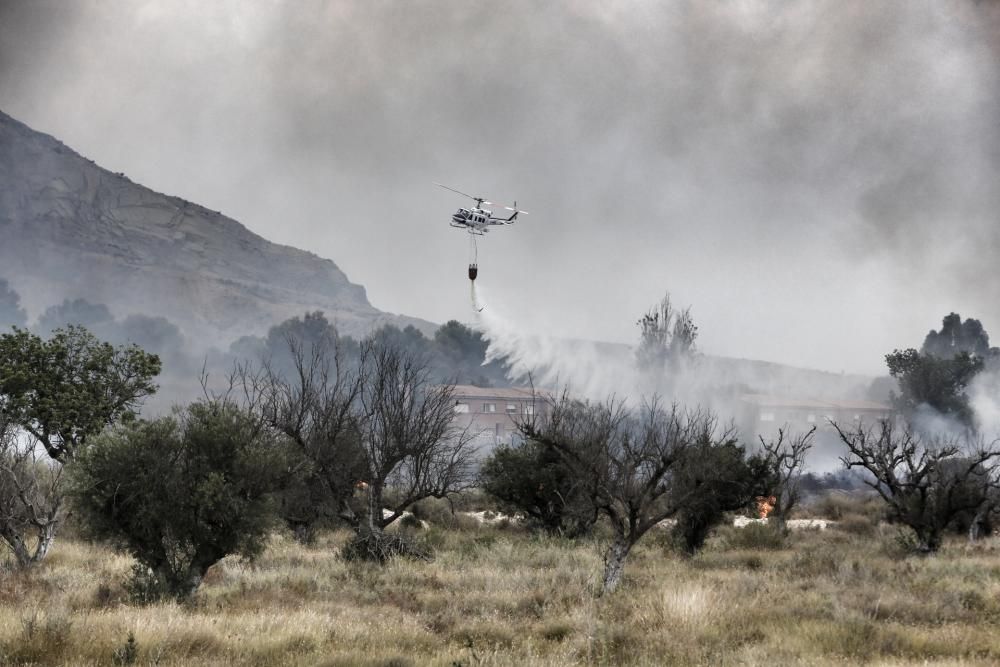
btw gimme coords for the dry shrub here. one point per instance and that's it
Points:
(44, 639)
(435, 511)
(836, 505)
(474, 500)
(485, 636)
(809, 563)
(857, 524)
(556, 631)
(754, 537)
(617, 645)
(465, 522)
(378, 547)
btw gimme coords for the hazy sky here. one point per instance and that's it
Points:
(820, 181)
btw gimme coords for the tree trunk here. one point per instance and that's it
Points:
(978, 521)
(46, 536)
(304, 533)
(928, 541)
(186, 584)
(16, 543)
(614, 563)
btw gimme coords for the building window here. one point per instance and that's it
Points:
(461, 408)
(811, 418)
(499, 430)
(767, 416)
(512, 408)
(529, 409)
(489, 407)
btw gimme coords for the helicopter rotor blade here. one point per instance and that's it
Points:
(441, 185)
(516, 209)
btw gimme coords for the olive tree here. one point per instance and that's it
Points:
(535, 479)
(181, 492)
(924, 483)
(31, 496)
(56, 394)
(67, 388)
(628, 458)
(714, 476)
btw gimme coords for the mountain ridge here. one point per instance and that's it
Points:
(73, 229)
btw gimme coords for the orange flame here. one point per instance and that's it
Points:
(765, 504)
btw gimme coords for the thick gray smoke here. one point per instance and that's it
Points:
(817, 178)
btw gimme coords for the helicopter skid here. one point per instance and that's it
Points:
(471, 230)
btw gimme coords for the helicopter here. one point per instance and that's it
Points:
(477, 219)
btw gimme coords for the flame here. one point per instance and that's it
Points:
(765, 504)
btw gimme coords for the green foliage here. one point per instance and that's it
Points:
(321, 480)
(456, 353)
(710, 478)
(535, 479)
(181, 492)
(937, 376)
(925, 379)
(311, 331)
(957, 337)
(71, 386)
(461, 355)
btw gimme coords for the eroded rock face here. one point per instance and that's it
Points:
(70, 229)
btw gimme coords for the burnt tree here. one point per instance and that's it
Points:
(925, 485)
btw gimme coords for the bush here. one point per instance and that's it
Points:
(379, 547)
(710, 479)
(755, 536)
(535, 479)
(857, 524)
(835, 505)
(180, 493)
(435, 511)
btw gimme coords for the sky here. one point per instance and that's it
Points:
(818, 180)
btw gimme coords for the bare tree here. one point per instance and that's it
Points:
(666, 336)
(626, 458)
(925, 485)
(31, 496)
(378, 425)
(785, 458)
(413, 448)
(313, 399)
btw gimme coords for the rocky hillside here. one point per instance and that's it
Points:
(69, 229)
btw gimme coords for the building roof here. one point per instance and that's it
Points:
(500, 393)
(768, 401)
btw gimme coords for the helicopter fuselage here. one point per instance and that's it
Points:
(477, 220)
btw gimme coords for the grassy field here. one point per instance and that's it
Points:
(505, 597)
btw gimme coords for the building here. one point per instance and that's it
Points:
(761, 415)
(492, 414)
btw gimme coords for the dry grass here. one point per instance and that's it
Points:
(501, 597)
